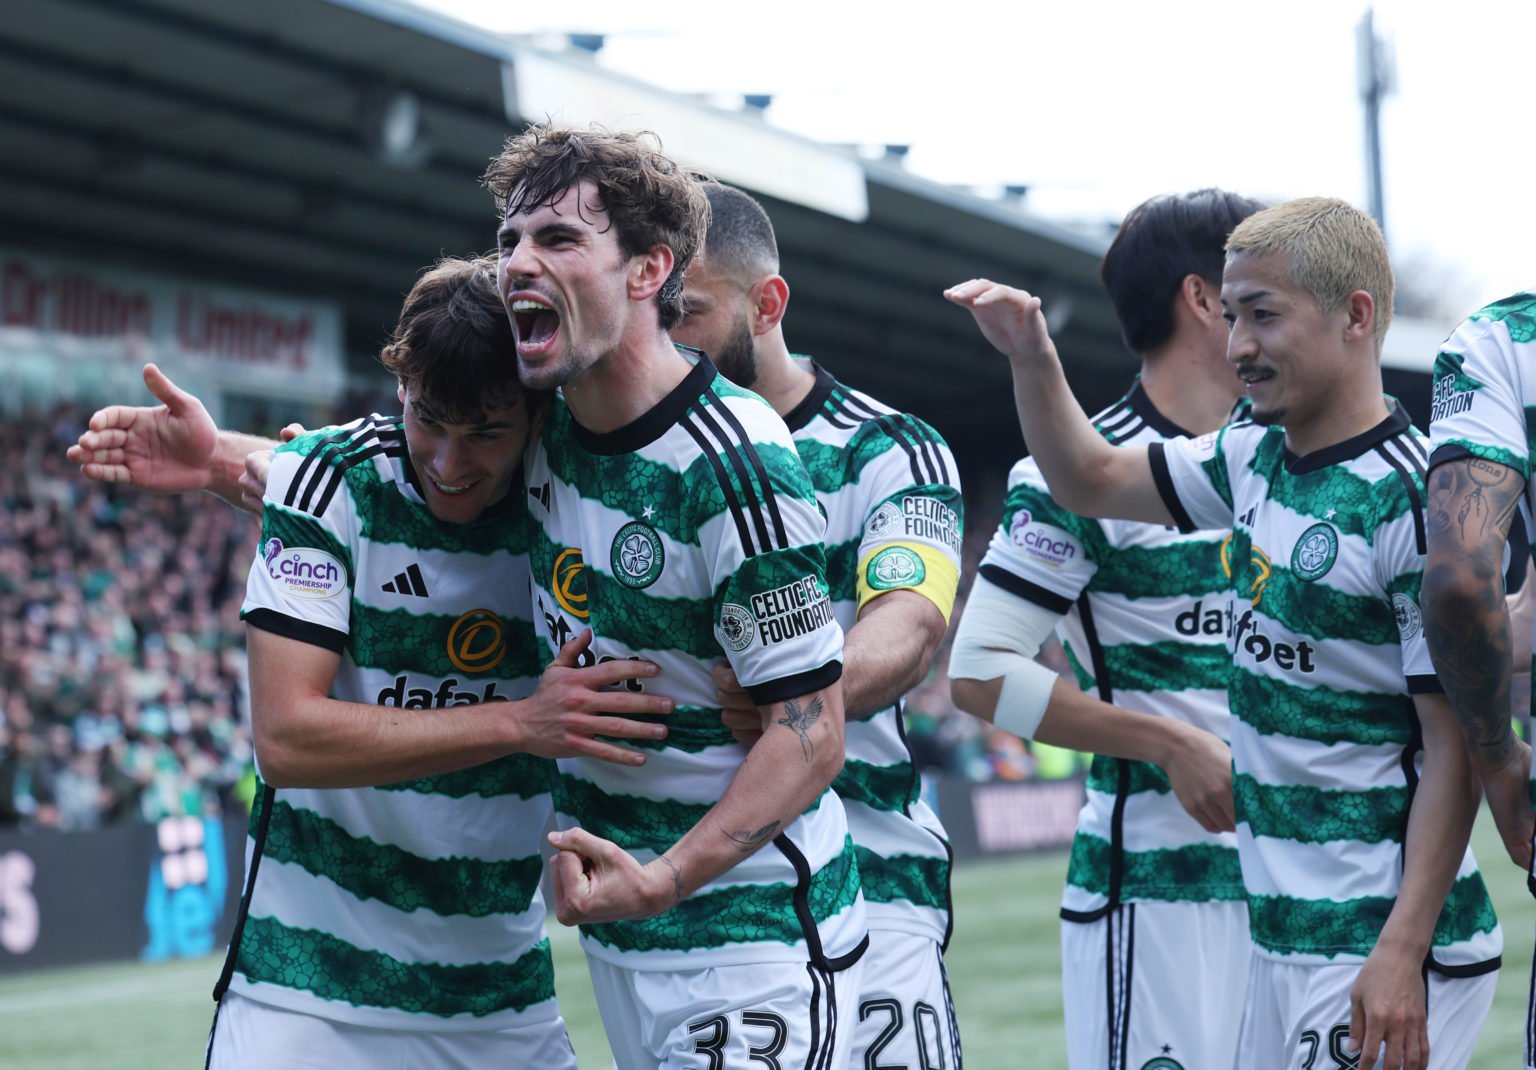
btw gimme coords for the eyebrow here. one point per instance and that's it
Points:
(1250, 298)
(548, 230)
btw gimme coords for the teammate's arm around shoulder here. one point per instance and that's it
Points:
(1086, 474)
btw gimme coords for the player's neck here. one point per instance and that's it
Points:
(627, 383)
(1351, 410)
(1180, 381)
(782, 381)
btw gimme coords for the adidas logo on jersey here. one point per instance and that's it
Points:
(540, 494)
(408, 582)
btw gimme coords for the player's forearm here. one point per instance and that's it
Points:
(1074, 458)
(1078, 721)
(228, 464)
(888, 651)
(321, 742)
(1471, 504)
(1439, 825)
(798, 756)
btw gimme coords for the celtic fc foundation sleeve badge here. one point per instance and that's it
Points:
(637, 557)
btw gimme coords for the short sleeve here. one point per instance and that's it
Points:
(1041, 552)
(1399, 561)
(301, 581)
(773, 609)
(1477, 409)
(914, 519)
(1194, 479)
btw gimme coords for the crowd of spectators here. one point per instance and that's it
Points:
(122, 655)
(121, 648)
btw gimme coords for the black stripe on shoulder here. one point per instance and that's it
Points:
(1130, 416)
(751, 507)
(1114, 412)
(270, 620)
(1126, 431)
(932, 444)
(1022, 588)
(317, 455)
(922, 466)
(331, 460)
(858, 405)
(350, 461)
(744, 445)
(732, 502)
(1411, 485)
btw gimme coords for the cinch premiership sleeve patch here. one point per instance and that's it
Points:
(1477, 409)
(301, 581)
(911, 541)
(1041, 552)
(1192, 476)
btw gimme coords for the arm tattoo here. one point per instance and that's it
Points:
(1471, 505)
(747, 842)
(677, 878)
(802, 720)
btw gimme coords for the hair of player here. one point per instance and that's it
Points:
(1162, 242)
(453, 346)
(740, 242)
(649, 198)
(1333, 248)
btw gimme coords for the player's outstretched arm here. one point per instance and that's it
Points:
(993, 676)
(170, 448)
(1387, 1002)
(797, 757)
(1466, 624)
(305, 738)
(1085, 473)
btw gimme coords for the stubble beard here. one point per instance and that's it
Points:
(736, 359)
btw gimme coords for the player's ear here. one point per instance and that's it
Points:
(649, 271)
(400, 390)
(1360, 307)
(769, 301)
(1200, 297)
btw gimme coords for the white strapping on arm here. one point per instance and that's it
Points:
(1014, 629)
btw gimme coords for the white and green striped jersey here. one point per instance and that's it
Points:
(891, 492)
(412, 905)
(1484, 402)
(1327, 555)
(692, 537)
(1145, 627)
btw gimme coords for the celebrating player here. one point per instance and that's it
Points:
(891, 492)
(388, 614)
(717, 888)
(1480, 476)
(1353, 790)
(1154, 935)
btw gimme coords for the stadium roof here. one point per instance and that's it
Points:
(271, 145)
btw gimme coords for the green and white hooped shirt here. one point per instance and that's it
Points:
(412, 905)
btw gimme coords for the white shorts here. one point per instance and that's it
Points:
(1155, 984)
(1298, 1016)
(727, 1017)
(247, 1033)
(906, 1017)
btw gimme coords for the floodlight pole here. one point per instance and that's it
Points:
(1374, 73)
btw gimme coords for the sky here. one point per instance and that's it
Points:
(1098, 104)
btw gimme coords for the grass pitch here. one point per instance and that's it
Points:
(1004, 963)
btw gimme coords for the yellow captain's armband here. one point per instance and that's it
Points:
(898, 566)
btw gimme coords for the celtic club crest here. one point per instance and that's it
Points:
(637, 556)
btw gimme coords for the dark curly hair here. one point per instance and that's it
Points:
(453, 346)
(649, 198)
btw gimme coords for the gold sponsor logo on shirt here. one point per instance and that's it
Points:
(477, 641)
